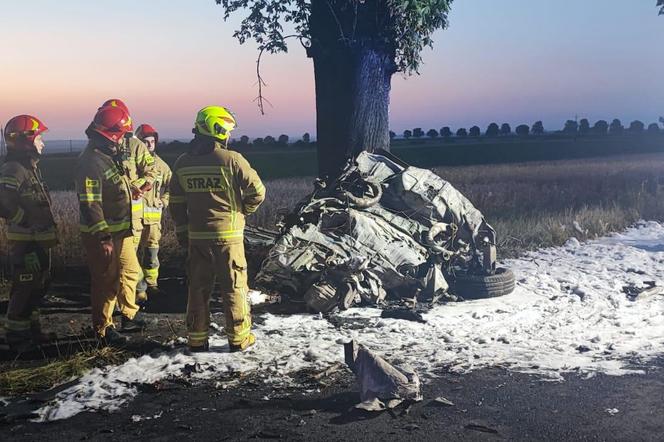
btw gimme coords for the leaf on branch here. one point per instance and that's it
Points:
(405, 25)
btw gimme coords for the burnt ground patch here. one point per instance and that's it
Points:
(491, 404)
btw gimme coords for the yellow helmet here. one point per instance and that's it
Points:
(215, 121)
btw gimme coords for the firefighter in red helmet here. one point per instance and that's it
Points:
(139, 166)
(31, 232)
(154, 202)
(105, 195)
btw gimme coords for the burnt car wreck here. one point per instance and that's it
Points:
(384, 232)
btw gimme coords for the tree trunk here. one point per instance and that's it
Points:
(353, 80)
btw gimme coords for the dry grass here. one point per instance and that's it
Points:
(531, 205)
(33, 379)
(535, 205)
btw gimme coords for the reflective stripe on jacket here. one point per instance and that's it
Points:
(211, 193)
(103, 194)
(25, 201)
(156, 200)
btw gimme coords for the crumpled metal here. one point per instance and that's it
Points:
(381, 252)
(379, 381)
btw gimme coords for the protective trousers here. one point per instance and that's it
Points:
(31, 267)
(149, 253)
(141, 286)
(112, 280)
(227, 262)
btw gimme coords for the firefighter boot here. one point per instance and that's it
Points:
(112, 338)
(37, 335)
(204, 347)
(248, 342)
(20, 340)
(137, 323)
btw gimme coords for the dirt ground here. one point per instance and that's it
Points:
(487, 404)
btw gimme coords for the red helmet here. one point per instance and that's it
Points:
(145, 130)
(24, 127)
(112, 123)
(116, 102)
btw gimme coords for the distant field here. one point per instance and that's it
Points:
(531, 205)
(285, 162)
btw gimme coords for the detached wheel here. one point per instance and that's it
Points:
(470, 286)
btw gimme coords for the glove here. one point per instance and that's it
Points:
(32, 263)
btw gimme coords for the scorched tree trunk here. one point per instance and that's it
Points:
(353, 79)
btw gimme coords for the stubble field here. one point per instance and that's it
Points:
(531, 205)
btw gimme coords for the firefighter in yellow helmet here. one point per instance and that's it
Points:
(26, 205)
(212, 191)
(154, 202)
(105, 193)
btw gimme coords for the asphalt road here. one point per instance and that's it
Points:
(489, 404)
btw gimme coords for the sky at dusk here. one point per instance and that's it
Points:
(514, 61)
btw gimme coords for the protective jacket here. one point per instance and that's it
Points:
(211, 192)
(156, 199)
(25, 201)
(104, 194)
(139, 166)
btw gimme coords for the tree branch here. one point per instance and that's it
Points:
(336, 19)
(260, 99)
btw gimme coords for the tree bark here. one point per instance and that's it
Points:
(353, 80)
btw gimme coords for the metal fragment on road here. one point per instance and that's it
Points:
(443, 401)
(380, 382)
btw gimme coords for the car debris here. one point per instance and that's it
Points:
(382, 386)
(384, 231)
(635, 292)
(481, 428)
(403, 313)
(441, 400)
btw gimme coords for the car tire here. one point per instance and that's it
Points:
(471, 286)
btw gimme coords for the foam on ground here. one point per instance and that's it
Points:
(568, 314)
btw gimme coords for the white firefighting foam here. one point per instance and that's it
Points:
(568, 314)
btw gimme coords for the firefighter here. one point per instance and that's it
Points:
(212, 191)
(154, 202)
(31, 232)
(138, 165)
(105, 193)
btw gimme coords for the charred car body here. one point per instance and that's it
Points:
(384, 231)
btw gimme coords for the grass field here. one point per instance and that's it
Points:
(531, 205)
(272, 163)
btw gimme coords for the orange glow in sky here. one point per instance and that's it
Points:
(517, 63)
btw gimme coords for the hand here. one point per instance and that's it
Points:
(31, 261)
(146, 187)
(107, 249)
(136, 193)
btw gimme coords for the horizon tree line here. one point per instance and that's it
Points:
(575, 128)
(571, 127)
